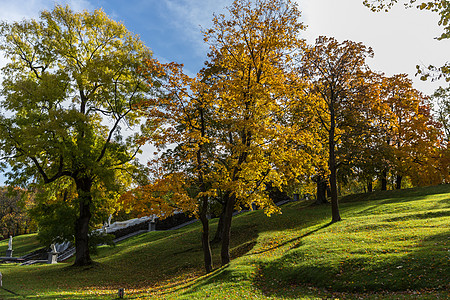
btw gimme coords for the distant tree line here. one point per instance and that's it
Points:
(14, 216)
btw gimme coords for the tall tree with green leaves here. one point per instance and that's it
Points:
(71, 84)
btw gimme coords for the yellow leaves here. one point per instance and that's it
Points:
(230, 125)
(163, 197)
(255, 34)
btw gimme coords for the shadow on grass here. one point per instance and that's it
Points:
(245, 231)
(10, 293)
(173, 262)
(394, 195)
(296, 239)
(425, 215)
(423, 269)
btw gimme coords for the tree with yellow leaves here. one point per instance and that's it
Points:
(181, 174)
(230, 129)
(410, 134)
(256, 45)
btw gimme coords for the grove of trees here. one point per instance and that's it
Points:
(267, 111)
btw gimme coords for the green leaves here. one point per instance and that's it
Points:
(69, 74)
(70, 86)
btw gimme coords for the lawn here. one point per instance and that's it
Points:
(389, 245)
(22, 245)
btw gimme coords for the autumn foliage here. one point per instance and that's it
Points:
(267, 111)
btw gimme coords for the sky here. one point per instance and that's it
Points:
(401, 38)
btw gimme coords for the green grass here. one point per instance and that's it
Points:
(22, 244)
(389, 245)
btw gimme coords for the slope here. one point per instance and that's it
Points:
(390, 245)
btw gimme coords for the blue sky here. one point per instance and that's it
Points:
(170, 28)
(401, 39)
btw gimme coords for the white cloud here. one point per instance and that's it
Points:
(13, 10)
(401, 38)
(16, 11)
(192, 16)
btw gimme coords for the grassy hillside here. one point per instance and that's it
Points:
(389, 245)
(22, 244)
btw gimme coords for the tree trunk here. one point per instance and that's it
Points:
(204, 205)
(82, 256)
(246, 139)
(321, 190)
(384, 180)
(219, 231)
(226, 235)
(205, 236)
(398, 182)
(335, 216)
(328, 189)
(369, 186)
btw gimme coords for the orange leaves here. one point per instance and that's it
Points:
(409, 129)
(226, 127)
(151, 69)
(254, 49)
(163, 197)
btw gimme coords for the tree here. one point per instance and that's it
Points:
(403, 138)
(255, 45)
(182, 174)
(442, 97)
(338, 74)
(230, 128)
(408, 134)
(439, 6)
(71, 83)
(321, 187)
(442, 7)
(14, 218)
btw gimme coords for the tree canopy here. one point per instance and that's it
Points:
(71, 83)
(266, 112)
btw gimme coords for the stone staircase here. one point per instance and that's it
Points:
(71, 250)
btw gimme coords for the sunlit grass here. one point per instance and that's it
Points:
(22, 244)
(391, 245)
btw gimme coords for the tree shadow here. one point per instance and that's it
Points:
(296, 239)
(425, 269)
(420, 216)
